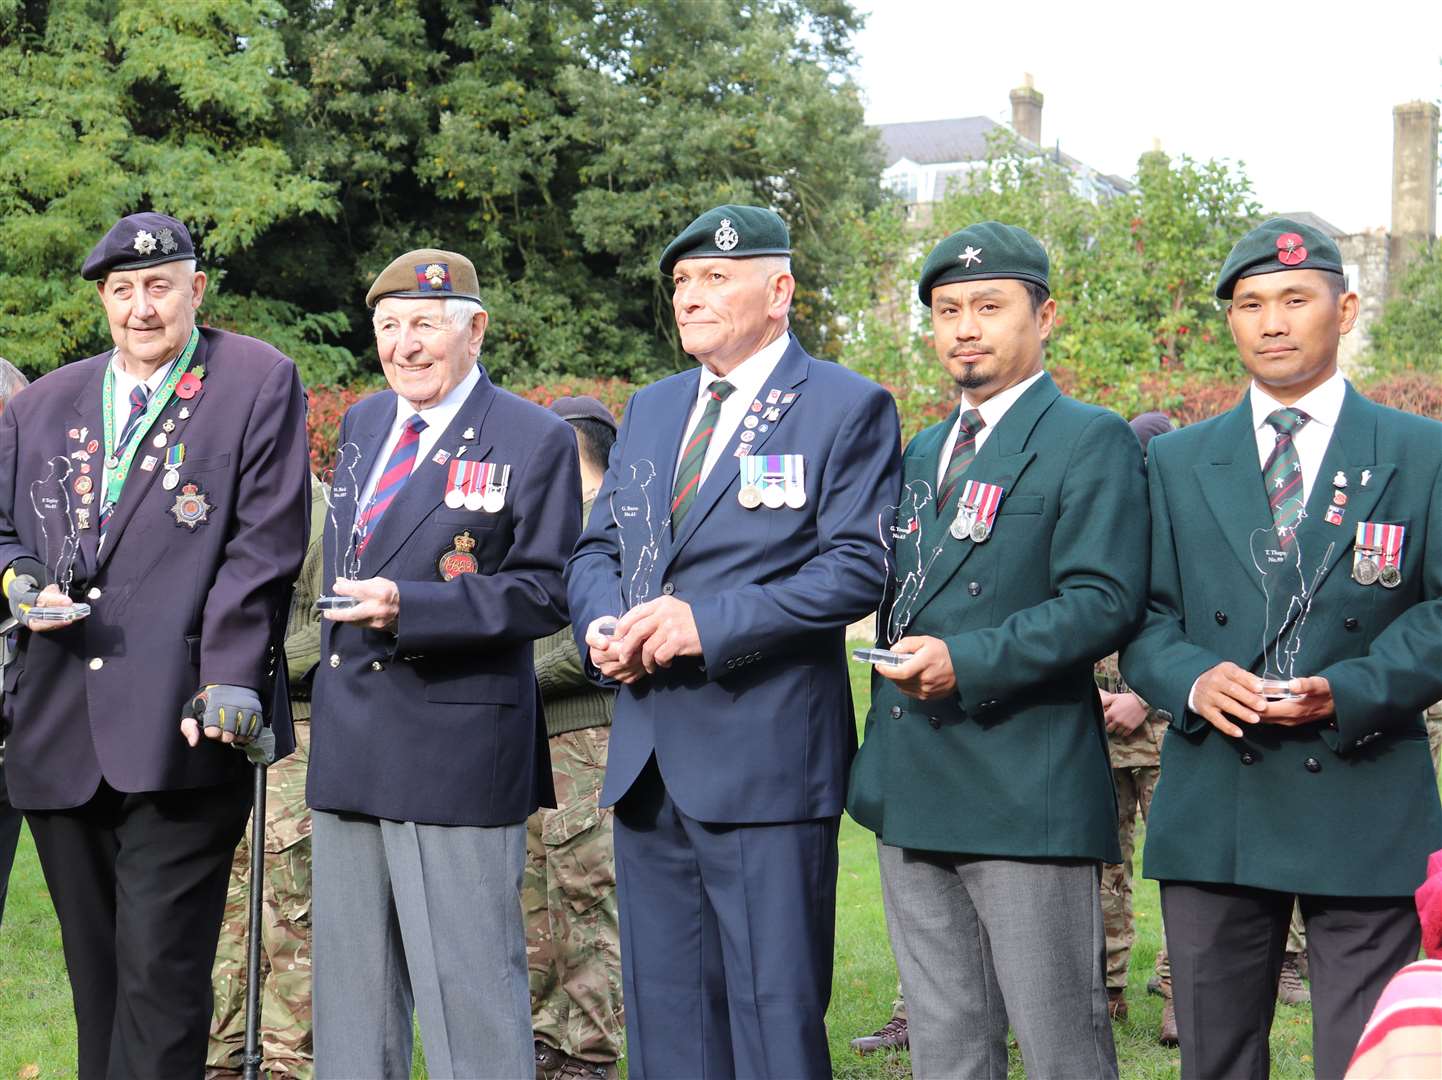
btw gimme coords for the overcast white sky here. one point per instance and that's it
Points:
(1301, 93)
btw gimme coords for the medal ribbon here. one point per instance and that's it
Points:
(115, 478)
(983, 499)
(794, 479)
(1385, 539)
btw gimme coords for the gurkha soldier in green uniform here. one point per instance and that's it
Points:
(285, 934)
(568, 892)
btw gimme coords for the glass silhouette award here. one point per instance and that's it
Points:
(639, 509)
(343, 499)
(908, 558)
(1288, 582)
(60, 528)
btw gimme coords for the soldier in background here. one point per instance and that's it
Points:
(285, 929)
(11, 383)
(568, 894)
(1134, 741)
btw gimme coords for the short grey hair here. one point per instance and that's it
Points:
(12, 381)
(458, 311)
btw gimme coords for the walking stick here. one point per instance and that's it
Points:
(252, 974)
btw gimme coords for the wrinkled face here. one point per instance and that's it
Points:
(987, 336)
(728, 309)
(425, 356)
(1287, 326)
(152, 311)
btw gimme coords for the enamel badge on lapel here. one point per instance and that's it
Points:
(459, 559)
(191, 507)
(976, 511)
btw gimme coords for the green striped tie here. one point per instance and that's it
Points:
(962, 455)
(688, 475)
(1283, 473)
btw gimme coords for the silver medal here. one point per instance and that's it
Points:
(1389, 576)
(1365, 570)
(495, 501)
(475, 500)
(796, 497)
(979, 532)
(170, 479)
(749, 496)
(773, 497)
(958, 529)
(455, 498)
(159, 441)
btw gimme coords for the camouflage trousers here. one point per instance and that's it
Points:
(568, 898)
(1135, 786)
(285, 1005)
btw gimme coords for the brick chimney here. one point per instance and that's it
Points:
(1026, 102)
(1414, 183)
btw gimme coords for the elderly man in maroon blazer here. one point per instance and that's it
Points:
(164, 484)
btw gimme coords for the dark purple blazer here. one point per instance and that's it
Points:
(441, 722)
(172, 607)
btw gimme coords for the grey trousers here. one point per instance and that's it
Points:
(979, 940)
(425, 917)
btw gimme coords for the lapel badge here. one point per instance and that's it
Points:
(148, 463)
(168, 426)
(788, 398)
(1333, 515)
(441, 457)
(1339, 498)
(82, 518)
(1340, 480)
(756, 405)
(83, 485)
(92, 446)
(749, 422)
(772, 415)
(74, 433)
(773, 396)
(191, 507)
(460, 559)
(185, 413)
(469, 433)
(1366, 475)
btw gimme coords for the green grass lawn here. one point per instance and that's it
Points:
(37, 1028)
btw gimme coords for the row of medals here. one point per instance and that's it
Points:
(772, 493)
(1369, 568)
(968, 524)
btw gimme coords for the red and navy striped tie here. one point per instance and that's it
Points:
(693, 456)
(397, 472)
(1283, 473)
(963, 453)
(139, 399)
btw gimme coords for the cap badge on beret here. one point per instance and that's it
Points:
(970, 255)
(144, 242)
(1290, 250)
(726, 237)
(167, 241)
(433, 277)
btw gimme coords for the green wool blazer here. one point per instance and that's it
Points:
(1346, 807)
(1014, 763)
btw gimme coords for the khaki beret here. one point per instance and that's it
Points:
(427, 274)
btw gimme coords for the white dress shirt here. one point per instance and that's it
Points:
(992, 410)
(1323, 404)
(749, 378)
(438, 417)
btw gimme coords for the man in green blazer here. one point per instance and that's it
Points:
(1018, 558)
(1296, 539)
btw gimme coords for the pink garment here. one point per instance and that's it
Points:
(1429, 907)
(1403, 1039)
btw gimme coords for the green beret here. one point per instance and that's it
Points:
(1274, 246)
(729, 232)
(986, 250)
(427, 274)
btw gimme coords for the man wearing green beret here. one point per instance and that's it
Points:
(1294, 634)
(1018, 559)
(733, 542)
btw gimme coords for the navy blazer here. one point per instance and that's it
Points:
(172, 607)
(441, 722)
(761, 729)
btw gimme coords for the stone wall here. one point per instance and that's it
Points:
(1365, 256)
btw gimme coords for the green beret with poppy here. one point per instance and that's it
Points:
(984, 251)
(732, 231)
(1277, 245)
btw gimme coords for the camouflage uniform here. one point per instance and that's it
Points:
(1136, 760)
(285, 926)
(1434, 735)
(568, 893)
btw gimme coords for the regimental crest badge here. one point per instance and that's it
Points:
(969, 255)
(144, 242)
(191, 507)
(1290, 250)
(167, 241)
(726, 237)
(460, 558)
(434, 277)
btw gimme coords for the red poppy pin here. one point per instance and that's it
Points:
(1290, 250)
(188, 386)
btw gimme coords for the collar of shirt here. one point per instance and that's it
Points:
(438, 417)
(749, 378)
(1322, 403)
(992, 410)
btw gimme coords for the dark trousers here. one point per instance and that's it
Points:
(1226, 944)
(10, 819)
(726, 941)
(138, 882)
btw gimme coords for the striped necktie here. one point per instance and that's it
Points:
(962, 455)
(688, 474)
(1283, 473)
(393, 478)
(139, 399)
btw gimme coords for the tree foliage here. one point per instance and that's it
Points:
(1132, 275)
(1408, 334)
(557, 143)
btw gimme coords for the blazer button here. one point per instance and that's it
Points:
(376, 665)
(93, 594)
(974, 588)
(896, 712)
(1248, 758)
(96, 664)
(335, 659)
(1221, 618)
(1350, 623)
(935, 723)
(668, 588)
(1312, 765)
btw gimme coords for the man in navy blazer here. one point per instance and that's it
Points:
(733, 540)
(165, 484)
(454, 508)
